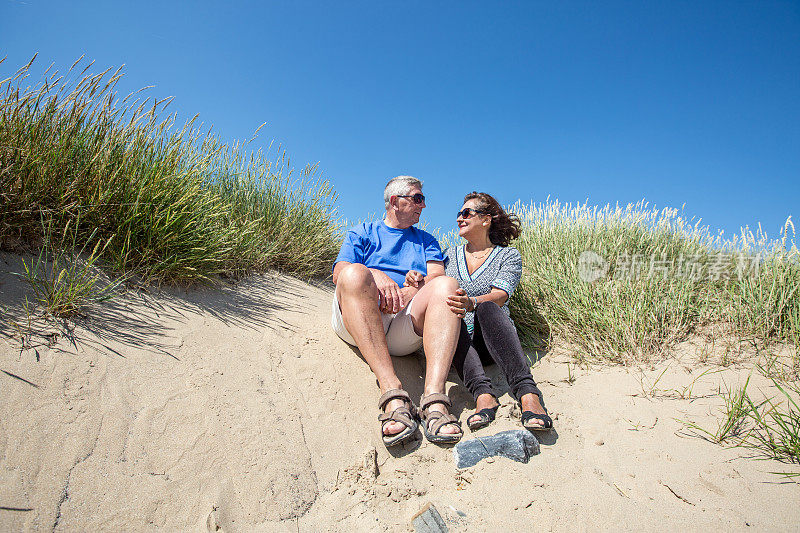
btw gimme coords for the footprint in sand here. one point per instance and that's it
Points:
(212, 522)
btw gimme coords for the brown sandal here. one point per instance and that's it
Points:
(406, 415)
(434, 420)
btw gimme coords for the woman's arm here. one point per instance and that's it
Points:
(502, 286)
(498, 296)
(460, 303)
(510, 272)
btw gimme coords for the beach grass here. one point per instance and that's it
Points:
(64, 277)
(625, 284)
(767, 423)
(163, 203)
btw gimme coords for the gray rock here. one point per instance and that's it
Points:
(517, 444)
(428, 520)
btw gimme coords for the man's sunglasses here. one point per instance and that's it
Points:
(418, 198)
(468, 212)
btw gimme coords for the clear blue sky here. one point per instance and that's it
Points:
(676, 102)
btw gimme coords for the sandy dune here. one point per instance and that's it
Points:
(238, 409)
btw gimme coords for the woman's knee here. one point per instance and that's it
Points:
(487, 309)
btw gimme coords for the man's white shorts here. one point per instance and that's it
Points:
(399, 329)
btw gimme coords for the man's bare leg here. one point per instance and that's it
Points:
(440, 328)
(358, 300)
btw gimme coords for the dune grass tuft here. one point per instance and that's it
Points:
(64, 277)
(168, 203)
(767, 425)
(626, 283)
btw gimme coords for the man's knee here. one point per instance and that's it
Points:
(354, 276)
(444, 285)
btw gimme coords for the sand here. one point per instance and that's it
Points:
(238, 409)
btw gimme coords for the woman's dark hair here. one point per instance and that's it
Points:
(505, 227)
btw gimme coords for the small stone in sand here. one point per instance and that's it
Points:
(428, 520)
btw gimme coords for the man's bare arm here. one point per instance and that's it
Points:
(415, 279)
(435, 269)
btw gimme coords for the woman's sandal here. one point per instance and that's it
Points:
(406, 415)
(527, 416)
(485, 417)
(434, 420)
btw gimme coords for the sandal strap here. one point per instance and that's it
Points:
(390, 395)
(488, 413)
(438, 420)
(401, 414)
(527, 416)
(434, 397)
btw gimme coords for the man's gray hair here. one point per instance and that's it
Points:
(398, 186)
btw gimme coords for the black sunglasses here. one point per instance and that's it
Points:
(418, 198)
(468, 212)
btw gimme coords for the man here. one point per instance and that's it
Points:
(374, 311)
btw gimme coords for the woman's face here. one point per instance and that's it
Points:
(476, 224)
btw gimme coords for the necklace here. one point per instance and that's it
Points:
(476, 256)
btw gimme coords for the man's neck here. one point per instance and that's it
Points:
(391, 220)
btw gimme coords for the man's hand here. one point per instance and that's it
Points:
(414, 278)
(407, 294)
(391, 298)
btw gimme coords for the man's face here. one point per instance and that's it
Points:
(407, 211)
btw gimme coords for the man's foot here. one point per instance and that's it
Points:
(485, 411)
(390, 427)
(440, 425)
(399, 412)
(534, 415)
(393, 428)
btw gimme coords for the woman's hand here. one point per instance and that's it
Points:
(414, 278)
(459, 303)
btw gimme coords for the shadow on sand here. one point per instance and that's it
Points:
(144, 318)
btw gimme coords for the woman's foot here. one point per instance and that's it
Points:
(534, 415)
(478, 419)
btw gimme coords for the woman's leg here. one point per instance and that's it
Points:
(468, 365)
(496, 336)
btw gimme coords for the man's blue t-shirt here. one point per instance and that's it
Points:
(393, 251)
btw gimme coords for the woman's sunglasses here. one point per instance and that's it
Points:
(468, 212)
(418, 198)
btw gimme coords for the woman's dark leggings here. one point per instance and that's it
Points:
(494, 340)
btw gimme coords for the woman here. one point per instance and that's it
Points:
(488, 271)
